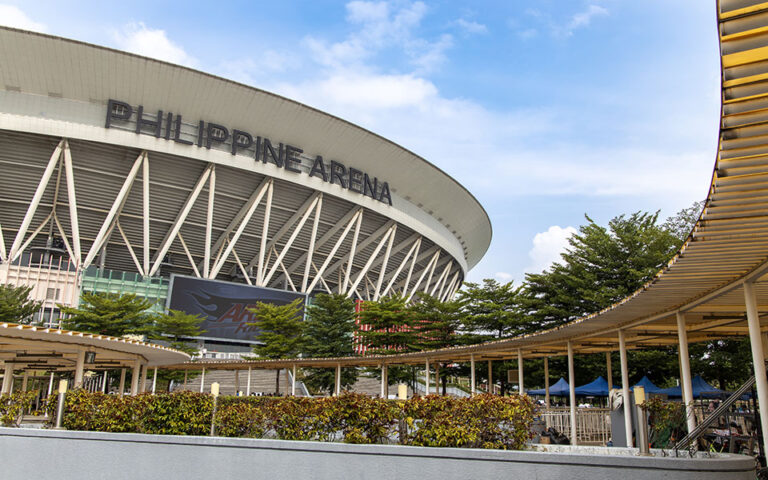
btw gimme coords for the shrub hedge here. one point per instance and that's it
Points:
(483, 421)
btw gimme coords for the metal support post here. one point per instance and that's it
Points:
(685, 371)
(473, 387)
(572, 394)
(121, 392)
(79, 367)
(625, 387)
(758, 357)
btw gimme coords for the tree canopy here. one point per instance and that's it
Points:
(15, 305)
(281, 331)
(110, 314)
(329, 332)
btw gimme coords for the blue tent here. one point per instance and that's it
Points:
(648, 385)
(700, 389)
(560, 388)
(596, 388)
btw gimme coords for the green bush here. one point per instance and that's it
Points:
(484, 421)
(12, 407)
(667, 422)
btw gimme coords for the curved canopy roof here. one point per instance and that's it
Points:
(38, 348)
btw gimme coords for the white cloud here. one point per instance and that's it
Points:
(381, 26)
(583, 19)
(547, 247)
(139, 39)
(504, 276)
(11, 16)
(355, 91)
(470, 26)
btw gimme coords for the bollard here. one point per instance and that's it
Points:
(642, 424)
(60, 405)
(215, 393)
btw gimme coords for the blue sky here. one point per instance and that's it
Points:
(545, 110)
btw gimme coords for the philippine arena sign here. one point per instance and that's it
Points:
(209, 135)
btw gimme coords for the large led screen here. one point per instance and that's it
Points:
(224, 305)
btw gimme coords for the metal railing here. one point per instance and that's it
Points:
(691, 440)
(593, 425)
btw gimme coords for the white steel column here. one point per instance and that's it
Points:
(758, 356)
(685, 371)
(73, 218)
(104, 382)
(264, 235)
(79, 367)
(239, 231)
(625, 387)
(114, 211)
(135, 377)
(24, 381)
(473, 387)
(367, 266)
(572, 394)
(145, 191)
(33, 204)
(351, 258)
(329, 258)
(209, 223)
(546, 382)
(608, 370)
(312, 240)
(293, 381)
(437, 378)
(237, 381)
(384, 263)
(202, 381)
(426, 377)
(154, 381)
(520, 373)
(121, 391)
(176, 227)
(248, 383)
(290, 241)
(410, 269)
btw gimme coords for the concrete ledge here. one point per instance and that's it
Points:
(27, 453)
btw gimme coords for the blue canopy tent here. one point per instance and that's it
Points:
(596, 388)
(701, 389)
(560, 388)
(648, 385)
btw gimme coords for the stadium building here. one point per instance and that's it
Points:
(120, 173)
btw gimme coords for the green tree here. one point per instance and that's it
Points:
(329, 332)
(281, 331)
(15, 305)
(492, 310)
(389, 329)
(438, 325)
(600, 266)
(175, 326)
(390, 326)
(110, 314)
